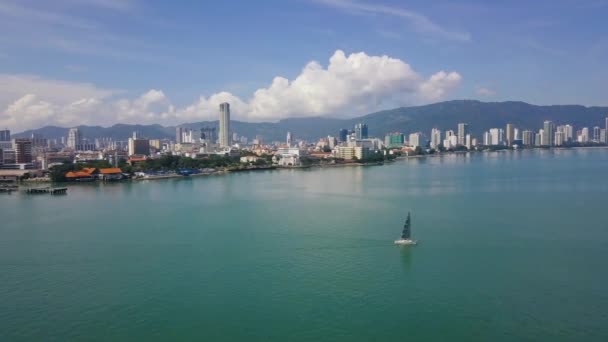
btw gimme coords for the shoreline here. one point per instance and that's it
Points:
(29, 183)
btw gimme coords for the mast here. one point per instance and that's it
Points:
(407, 230)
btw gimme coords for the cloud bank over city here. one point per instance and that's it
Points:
(349, 85)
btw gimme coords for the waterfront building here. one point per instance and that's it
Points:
(468, 141)
(559, 138)
(538, 138)
(548, 133)
(463, 130)
(435, 138)
(527, 137)
(415, 140)
(361, 131)
(510, 132)
(569, 131)
(487, 138)
(23, 151)
(450, 142)
(74, 138)
(603, 135)
(224, 124)
(497, 136)
(395, 139)
(583, 137)
(596, 134)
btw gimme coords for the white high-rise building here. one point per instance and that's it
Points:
(463, 130)
(559, 138)
(74, 138)
(596, 134)
(435, 138)
(548, 133)
(569, 131)
(224, 124)
(415, 140)
(510, 134)
(468, 141)
(289, 139)
(497, 136)
(584, 136)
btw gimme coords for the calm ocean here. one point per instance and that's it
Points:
(512, 247)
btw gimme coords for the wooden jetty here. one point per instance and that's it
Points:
(48, 190)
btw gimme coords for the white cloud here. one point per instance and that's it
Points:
(486, 92)
(420, 22)
(349, 86)
(438, 85)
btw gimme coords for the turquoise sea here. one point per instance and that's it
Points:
(513, 247)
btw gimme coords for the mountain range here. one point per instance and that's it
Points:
(480, 116)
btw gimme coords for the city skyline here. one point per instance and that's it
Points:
(73, 62)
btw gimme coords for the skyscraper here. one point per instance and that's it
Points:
(435, 138)
(179, 133)
(23, 151)
(74, 138)
(463, 130)
(596, 134)
(289, 139)
(208, 135)
(342, 134)
(225, 124)
(5, 134)
(548, 133)
(510, 134)
(527, 137)
(361, 131)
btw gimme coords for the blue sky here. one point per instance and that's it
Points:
(102, 61)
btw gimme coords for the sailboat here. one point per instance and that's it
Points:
(406, 234)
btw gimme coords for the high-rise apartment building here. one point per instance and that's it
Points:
(463, 130)
(435, 138)
(23, 150)
(596, 134)
(510, 134)
(342, 134)
(289, 139)
(548, 133)
(74, 138)
(527, 138)
(224, 124)
(361, 131)
(415, 140)
(5, 134)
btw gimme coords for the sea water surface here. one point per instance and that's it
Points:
(513, 247)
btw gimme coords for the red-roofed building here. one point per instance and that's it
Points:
(86, 174)
(112, 173)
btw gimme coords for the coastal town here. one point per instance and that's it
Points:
(212, 150)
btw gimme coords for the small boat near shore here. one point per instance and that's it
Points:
(406, 234)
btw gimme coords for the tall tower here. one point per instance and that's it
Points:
(74, 138)
(5, 134)
(510, 134)
(289, 139)
(361, 131)
(548, 133)
(224, 124)
(463, 130)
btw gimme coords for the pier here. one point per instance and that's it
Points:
(52, 191)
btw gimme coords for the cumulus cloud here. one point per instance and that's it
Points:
(486, 92)
(350, 85)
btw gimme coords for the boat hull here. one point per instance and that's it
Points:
(406, 242)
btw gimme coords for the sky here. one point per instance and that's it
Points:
(101, 62)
